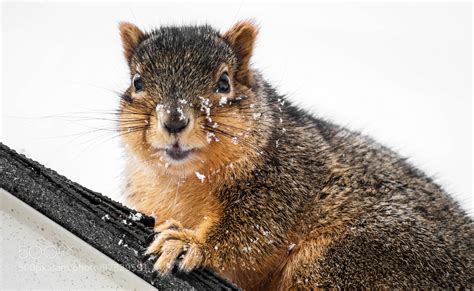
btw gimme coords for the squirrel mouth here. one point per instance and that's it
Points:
(176, 152)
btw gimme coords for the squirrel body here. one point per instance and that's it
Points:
(264, 193)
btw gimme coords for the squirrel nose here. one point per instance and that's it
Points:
(176, 125)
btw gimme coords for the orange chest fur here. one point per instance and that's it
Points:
(189, 201)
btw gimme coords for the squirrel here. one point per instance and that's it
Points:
(261, 191)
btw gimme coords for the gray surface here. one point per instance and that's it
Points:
(34, 247)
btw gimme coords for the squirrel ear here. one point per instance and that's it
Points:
(131, 36)
(241, 38)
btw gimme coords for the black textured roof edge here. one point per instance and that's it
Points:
(110, 227)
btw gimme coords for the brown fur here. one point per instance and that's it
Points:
(241, 38)
(131, 36)
(288, 201)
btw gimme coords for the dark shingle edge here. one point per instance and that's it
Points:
(98, 220)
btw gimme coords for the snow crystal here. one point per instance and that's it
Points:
(181, 113)
(206, 106)
(205, 101)
(200, 176)
(159, 107)
(135, 216)
(105, 217)
(210, 136)
(257, 115)
(223, 101)
(291, 246)
(235, 140)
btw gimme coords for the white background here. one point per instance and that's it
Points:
(399, 72)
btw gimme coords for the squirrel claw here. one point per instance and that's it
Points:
(154, 277)
(176, 249)
(151, 237)
(145, 257)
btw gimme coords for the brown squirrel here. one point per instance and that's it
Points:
(264, 193)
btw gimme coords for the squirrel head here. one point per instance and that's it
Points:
(193, 101)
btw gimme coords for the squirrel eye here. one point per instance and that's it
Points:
(137, 83)
(223, 84)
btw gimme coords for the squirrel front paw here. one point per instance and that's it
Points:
(175, 245)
